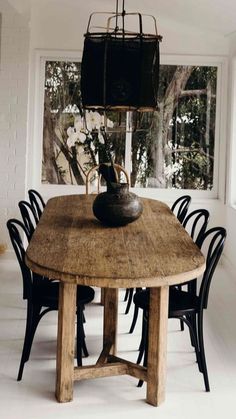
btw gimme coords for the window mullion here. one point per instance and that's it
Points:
(128, 144)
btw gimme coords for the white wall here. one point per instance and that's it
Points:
(230, 205)
(14, 42)
(60, 25)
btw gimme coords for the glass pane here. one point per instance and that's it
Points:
(73, 144)
(174, 147)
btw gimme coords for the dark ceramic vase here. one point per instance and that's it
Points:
(118, 206)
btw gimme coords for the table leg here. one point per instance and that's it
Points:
(157, 345)
(110, 319)
(66, 342)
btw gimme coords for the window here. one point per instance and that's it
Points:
(175, 147)
(231, 198)
(177, 151)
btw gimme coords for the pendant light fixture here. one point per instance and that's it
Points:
(120, 67)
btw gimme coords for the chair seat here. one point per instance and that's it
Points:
(180, 302)
(46, 293)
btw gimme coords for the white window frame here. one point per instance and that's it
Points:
(231, 155)
(35, 128)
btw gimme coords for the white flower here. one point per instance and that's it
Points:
(84, 127)
(101, 138)
(171, 170)
(75, 136)
(97, 120)
(69, 142)
(70, 131)
(81, 137)
(78, 124)
(93, 120)
(110, 124)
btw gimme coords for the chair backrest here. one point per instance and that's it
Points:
(37, 202)
(28, 216)
(214, 238)
(180, 207)
(16, 231)
(94, 177)
(196, 223)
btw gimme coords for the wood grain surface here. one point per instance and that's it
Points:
(70, 244)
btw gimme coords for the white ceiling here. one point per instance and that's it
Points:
(209, 15)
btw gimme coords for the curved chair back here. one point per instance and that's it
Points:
(196, 223)
(94, 177)
(216, 238)
(16, 231)
(28, 216)
(180, 207)
(37, 203)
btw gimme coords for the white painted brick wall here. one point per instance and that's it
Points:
(14, 57)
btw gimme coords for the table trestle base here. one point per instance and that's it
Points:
(113, 366)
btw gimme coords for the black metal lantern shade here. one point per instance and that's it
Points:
(120, 70)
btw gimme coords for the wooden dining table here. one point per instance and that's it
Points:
(71, 245)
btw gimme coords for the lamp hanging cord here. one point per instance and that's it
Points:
(122, 13)
(123, 17)
(123, 7)
(117, 11)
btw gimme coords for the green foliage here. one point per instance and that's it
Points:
(188, 150)
(186, 140)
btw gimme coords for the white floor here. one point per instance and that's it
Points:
(116, 397)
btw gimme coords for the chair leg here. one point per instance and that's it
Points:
(36, 317)
(179, 287)
(135, 317)
(126, 294)
(84, 348)
(26, 345)
(142, 345)
(83, 343)
(80, 340)
(194, 339)
(202, 351)
(193, 321)
(79, 335)
(140, 383)
(131, 291)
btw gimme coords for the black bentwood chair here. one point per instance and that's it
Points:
(187, 305)
(29, 218)
(42, 296)
(180, 207)
(37, 202)
(195, 223)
